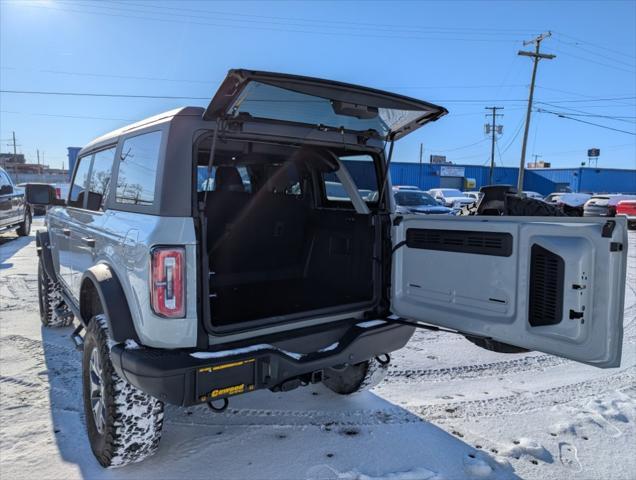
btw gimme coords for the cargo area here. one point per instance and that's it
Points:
(282, 236)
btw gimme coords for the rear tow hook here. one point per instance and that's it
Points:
(383, 359)
(220, 408)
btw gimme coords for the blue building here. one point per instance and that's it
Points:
(472, 177)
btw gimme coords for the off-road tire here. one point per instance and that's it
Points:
(53, 312)
(495, 346)
(132, 419)
(25, 227)
(355, 378)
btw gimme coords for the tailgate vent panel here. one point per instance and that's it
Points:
(462, 241)
(547, 271)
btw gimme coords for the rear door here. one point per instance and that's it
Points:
(553, 284)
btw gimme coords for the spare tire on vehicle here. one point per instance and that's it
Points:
(498, 200)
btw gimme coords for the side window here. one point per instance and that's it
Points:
(230, 178)
(100, 179)
(76, 193)
(138, 169)
(361, 168)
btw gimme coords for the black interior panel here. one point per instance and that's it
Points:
(547, 271)
(462, 241)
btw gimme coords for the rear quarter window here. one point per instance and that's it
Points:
(138, 169)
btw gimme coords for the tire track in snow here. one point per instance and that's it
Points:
(527, 401)
(481, 370)
(324, 419)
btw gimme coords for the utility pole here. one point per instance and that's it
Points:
(493, 130)
(536, 56)
(15, 154)
(38, 150)
(419, 184)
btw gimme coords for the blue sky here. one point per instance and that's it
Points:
(462, 55)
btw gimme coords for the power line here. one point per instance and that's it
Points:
(602, 55)
(186, 97)
(561, 115)
(582, 112)
(587, 42)
(568, 54)
(459, 148)
(304, 22)
(109, 95)
(81, 117)
(284, 30)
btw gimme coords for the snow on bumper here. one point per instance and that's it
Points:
(186, 377)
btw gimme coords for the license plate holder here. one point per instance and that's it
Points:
(225, 379)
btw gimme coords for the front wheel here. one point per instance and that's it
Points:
(25, 227)
(356, 378)
(123, 423)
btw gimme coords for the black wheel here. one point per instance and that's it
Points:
(53, 312)
(123, 423)
(495, 346)
(25, 227)
(355, 378)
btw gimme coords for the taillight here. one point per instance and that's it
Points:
(58, 192)
(167, 281)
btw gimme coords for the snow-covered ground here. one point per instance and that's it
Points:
(447, 410)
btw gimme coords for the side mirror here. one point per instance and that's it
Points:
(40, 194)
(6, 189)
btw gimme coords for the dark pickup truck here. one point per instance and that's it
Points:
(15, 213)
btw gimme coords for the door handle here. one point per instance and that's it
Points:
(89, 241)
(67, 232)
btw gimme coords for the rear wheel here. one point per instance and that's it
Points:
(25, 227)
(356, 378)
(123, 423)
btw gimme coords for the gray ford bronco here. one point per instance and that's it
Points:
(211, 252)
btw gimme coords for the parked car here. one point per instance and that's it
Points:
(531, 194)
(405, 187)
(627, 208)
(188, 296)
(475, 195)
(450, 197)
(417, 201)
(15, 214)
(604, 205)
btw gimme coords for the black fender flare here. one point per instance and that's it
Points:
(113, 302)
(43, 244)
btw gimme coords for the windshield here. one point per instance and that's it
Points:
(410, 198)
(261, 100)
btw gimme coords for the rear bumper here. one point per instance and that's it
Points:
(186, 377)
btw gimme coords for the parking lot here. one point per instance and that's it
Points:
(446, 410)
